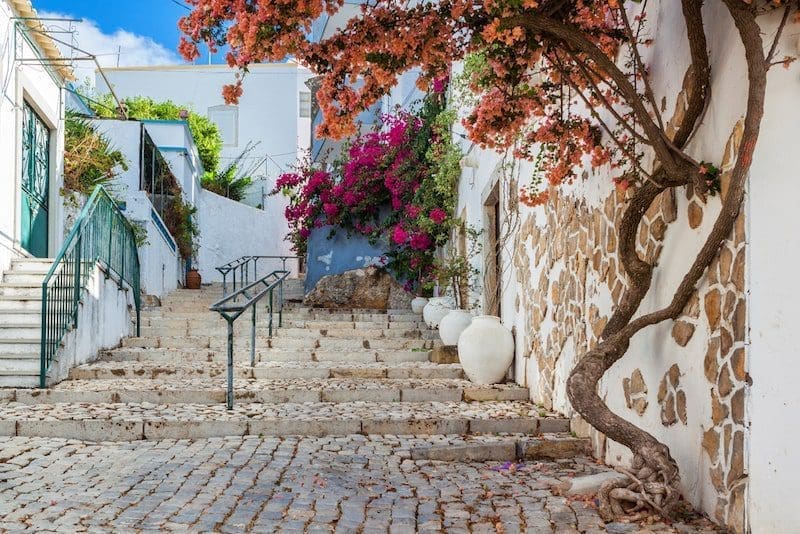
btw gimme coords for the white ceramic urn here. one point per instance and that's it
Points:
(418, 303)
(452, 324)
(486, 350)
(436, 309)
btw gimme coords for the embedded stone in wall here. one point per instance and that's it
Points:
(672, 398)
(682, 332)
(635, 391)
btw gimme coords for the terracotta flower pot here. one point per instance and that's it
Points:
(193, 280)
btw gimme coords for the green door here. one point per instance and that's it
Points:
(35, 182)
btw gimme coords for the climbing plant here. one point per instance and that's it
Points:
(89, 158)
(395, 185)
(566, 82)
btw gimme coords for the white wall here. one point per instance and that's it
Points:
(105, 316)
(774, 252)
(34, 84)
(268, 111)
(230, 230)
(161, 266)
(773, 399)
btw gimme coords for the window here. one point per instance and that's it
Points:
(227, 120)
(305, 104)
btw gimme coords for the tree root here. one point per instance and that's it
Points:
(648, 489)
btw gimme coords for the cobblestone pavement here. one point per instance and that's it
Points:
(342, 484)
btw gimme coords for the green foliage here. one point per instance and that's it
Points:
(456, 272)
(179, 219)
(89, 159)
(205, 133)
(234, 180)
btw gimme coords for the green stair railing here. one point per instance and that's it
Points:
(101, 235)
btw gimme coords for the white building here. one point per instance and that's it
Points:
(274, 112)
(718, 386)
(31, 136)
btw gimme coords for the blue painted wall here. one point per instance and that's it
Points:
(338, 254)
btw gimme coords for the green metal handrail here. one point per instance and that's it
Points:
(101, 234)
(234, 305)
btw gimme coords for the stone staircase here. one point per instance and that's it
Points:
(324, 373)
(20, 322)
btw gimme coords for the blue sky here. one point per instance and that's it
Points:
(145, 30)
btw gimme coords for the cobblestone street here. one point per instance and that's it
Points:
(341, 484)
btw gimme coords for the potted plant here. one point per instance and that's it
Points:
(193, 278)
(454, 274)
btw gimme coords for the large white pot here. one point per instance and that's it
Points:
(486, 350)
(452, 324)
(436, 309)
(418, 304)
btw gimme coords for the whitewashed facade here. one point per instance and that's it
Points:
(31, 95)
(718, 386)
(269, 113)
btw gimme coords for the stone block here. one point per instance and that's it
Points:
(553, 449)
(8, 428)
(85, 430)
(501, 451)
(280, 373)
(495, 394)
(444, 354)
(365, 395)
(293, 427)
(415, 426)
(553, 424)
(431, 395)
(172, 429)
(357, 372)
(517, 425)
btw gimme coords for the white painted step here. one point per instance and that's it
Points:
(20, 317)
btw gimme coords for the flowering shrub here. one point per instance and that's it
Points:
(394, 185)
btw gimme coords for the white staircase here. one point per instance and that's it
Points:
(20, 322)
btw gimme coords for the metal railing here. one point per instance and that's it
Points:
(232, 306)
(101, 234)
(246, 268)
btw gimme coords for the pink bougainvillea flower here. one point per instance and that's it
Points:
(399, 235)
(331, 210)
(413, 211)
(438, 215)
(421, 241)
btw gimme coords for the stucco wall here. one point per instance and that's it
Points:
(268, 112)
(105, 316)
(334, 255)
(230, 230)
(700, 383)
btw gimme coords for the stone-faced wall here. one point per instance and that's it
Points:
(568, 280)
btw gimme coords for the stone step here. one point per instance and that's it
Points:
(221, 342)
(15, 330)
(30, 317)
(172, 390)
(31, 265)
(11, 346)
(15, 289)
(362, 333)
(552, 446)
(126, 422)
(265, 370)
(21, 304)
(242, 354)
(23, 277)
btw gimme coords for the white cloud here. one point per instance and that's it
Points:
(133, 49)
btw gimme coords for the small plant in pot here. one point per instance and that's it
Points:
(423, 293)
(457, 274)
